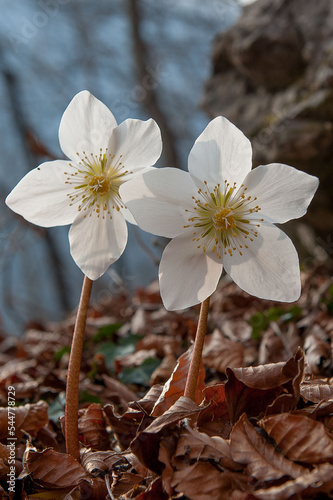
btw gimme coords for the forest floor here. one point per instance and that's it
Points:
(261, 426)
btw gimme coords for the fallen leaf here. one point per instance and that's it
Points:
(29, 418)
(201, 480)
(319, 480)
(220, 352)
(261, 459)
(92, 428)
(300, 438)
(175, 386)
(316, 390)
(53, 470)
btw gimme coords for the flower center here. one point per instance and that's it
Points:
(224, 219)
(96, 181)
(100, 184)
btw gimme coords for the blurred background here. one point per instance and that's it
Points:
(143, 59)
(266, 65)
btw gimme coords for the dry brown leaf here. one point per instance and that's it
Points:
(117, 390)
(124, 482)
(319, 480)
(53, 470)
(161, 343)
(124, 426)
(300, 438)
(195, 445)
(202, 480)
(174, 387)
(164, 371)
(29, 418)
(92, 429)
(213, 419)
(261, 459)
(146, 444)
(148, 401)
(316, 390)
(318, 352)
(220, 352)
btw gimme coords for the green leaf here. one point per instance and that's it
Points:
(106, 331)
(85, 397)
(57, 407)
(259, 322)
(111, 350)
(59, 354)
(139, 375)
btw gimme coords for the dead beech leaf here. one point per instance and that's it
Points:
(53, 470)
(148, 401)
(98, 462)
(213, 419)
(220, 352)
(117, 390)
(300, 438)
(175, 386)
(317, 348)
(268, 388)
(124, 482)
(146, 444)
(202, 480)
(124, 426)
(164, 371)
(261, 459)
(316, 391)
(92, 429)
(195, 445)
(29, 418)
(319, 480)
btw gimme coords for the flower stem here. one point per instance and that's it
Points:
(73, 376)
(192, 377)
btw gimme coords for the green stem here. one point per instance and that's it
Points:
(193, 374)
(73, 376)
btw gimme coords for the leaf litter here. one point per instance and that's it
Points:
(261, 426)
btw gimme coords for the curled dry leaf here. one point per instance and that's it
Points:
(266, 388)
(118, 391)
(220, 352)
(316, 390)
(195, 445)
(318, 352)
(124, 426)
(53, 470)
(318, 481)
(146, 444)
(299, 437)
(29, 418)
(92, 428)
(261, 459)
(213, 419)
(164, 371)
(124, 482)
(175, 386)
(202, 480)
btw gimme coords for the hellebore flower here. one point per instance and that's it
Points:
(222, 214)
(84, 191)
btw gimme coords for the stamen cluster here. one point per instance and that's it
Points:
(96, 183)
(224, 219)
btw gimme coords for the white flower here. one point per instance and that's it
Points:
(85, 191)
(222, 213)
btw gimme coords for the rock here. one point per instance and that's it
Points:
(273, 77)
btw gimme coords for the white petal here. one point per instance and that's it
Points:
(283, 192)
(269, 268)
(86, 125)
(221, 152)
(157, 200)
(96, 242)
(138, 142)
(187, 275)
(41, 196)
